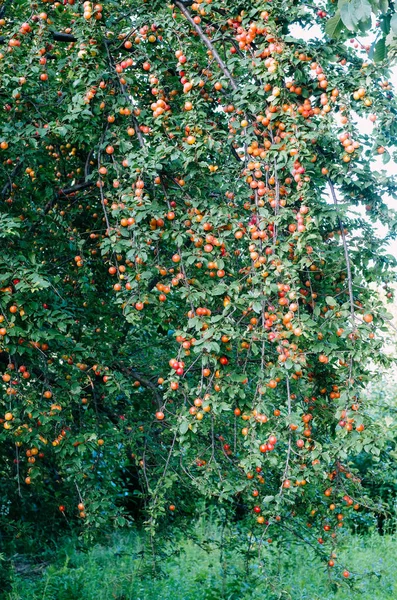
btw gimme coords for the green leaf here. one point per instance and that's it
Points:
(378, 51)
(331, 301)
(183, 427)
(267, 499)
(346, 16)
(362, 9)
(354, 12)
(219, 289)
(365, 25)
(238, 377)
(334, 25)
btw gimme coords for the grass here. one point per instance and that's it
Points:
(119, 568)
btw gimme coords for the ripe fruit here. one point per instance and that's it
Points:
(346, 574)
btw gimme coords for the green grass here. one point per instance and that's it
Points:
(121, 568)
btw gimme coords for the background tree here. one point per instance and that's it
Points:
(186, 300)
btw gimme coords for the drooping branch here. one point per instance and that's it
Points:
(125, 94)
(286, 468)
(346, 253)
(208, 43)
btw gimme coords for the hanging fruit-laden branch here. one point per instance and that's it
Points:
(208, 43)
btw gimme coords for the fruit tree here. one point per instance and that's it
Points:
(190, 200)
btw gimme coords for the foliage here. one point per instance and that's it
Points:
(356, 16)
(188, 308)
(379, 477)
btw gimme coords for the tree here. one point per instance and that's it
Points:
(187, 308)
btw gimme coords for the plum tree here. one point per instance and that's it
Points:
(187, 275)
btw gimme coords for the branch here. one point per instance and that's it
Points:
(66, 192)
(317, 550)
(289, 408)
(76, 188)
(8, 185)
(58, 36)
(146, 383)
(346, 251)
(234, 153)
(125, 94)
(208, 43)
(3, 8)
(87, 162)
